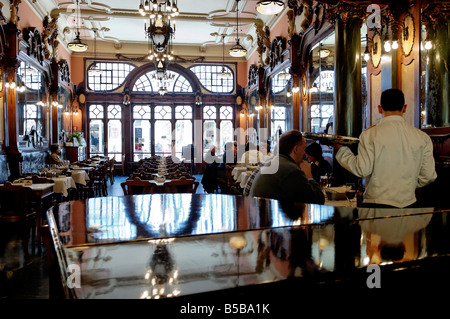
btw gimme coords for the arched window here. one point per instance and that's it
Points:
(149, 83)
(280, 81)
(209, 77)
(111, 77)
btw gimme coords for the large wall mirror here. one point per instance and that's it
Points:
(321, 110)
(2, 111)
(435, 61)
(32, 108)
(254, 103)
(280, 104)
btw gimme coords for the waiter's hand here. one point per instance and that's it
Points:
(306, 168)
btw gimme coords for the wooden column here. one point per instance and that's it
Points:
(348, 96)
(13, 153)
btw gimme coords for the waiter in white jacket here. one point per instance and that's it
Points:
(393, 156)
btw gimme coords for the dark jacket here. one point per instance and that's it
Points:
(288, 183)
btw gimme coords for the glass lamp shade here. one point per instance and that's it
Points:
(237, 51)
(76, 45)
(95, 70)
(224, 74)
(269, 7)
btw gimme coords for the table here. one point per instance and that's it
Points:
(221, 243)
(80, 176)
(62, 184)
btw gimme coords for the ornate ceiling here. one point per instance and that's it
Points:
(199, 26)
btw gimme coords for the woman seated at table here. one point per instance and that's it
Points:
(54, 156)
(319, 165)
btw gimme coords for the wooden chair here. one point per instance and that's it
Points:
(137, 186)
(182, 185)
(111, 170)
(16, 208)
(120, 167)
(88, 190)
(100, 180)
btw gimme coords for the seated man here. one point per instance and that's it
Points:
(292, 181)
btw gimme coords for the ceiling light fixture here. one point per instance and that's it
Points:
(161, 30)
(95, 69)
(269, 7)
(237, 50)
(224, 75)
(76, 45)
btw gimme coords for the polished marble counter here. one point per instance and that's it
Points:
(174, 245)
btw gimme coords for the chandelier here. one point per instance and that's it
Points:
(237, 50)
(76, 45)
(269, 7)
(161, 28)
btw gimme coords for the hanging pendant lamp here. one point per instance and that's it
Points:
(269, 7)
(76, 45)
(95, 69)
(224, 74)
(237, 50)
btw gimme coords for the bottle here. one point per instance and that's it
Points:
(360, 192)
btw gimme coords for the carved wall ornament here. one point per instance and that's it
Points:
(253, 75)
(64, 71)
(376, 49)
(35, 47)
(50, 36)
(14, 9)
(408, 34)
(346, 11)
(263, 42)
(302, 9)
(276, 51)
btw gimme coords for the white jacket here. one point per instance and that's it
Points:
(395, 158)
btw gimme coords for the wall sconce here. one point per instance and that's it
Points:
(258, 107)
(295, 89)
(126, 99)
(242, 113)
(198, 99)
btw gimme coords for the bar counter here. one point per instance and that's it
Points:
(170, 246)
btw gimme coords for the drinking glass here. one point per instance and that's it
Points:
(350, 192)
(323, 182)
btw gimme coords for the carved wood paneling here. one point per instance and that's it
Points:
(35, 46)
(64, 71)
(276, 52)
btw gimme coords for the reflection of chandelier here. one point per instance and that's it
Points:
(161, 274)
(161, 30)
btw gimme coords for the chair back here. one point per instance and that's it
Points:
(182, 185)
(15, 200)
(137, 186)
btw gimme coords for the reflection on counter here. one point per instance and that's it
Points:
(254, 241)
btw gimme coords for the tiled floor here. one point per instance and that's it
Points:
(19, 280)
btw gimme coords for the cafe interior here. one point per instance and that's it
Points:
(135, 95)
